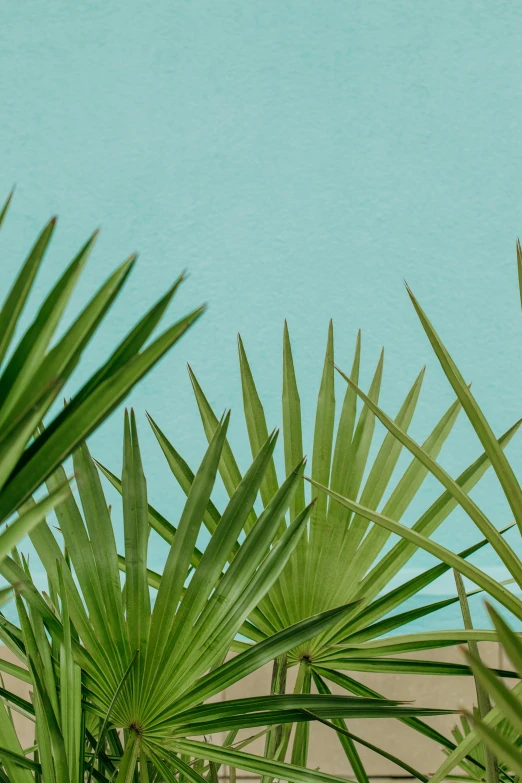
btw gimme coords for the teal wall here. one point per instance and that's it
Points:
(299, 158)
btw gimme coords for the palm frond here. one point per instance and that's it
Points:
(107, 657)
(340, 555)
(35, 367)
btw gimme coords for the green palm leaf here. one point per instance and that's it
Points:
(33, 371)
(317, 577)
(499, 461)
(156, 696)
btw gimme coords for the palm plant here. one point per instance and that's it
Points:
(33, 372)
(338, 559)
(505, 740)
(119, 681)
(474, 764)
(456, 494)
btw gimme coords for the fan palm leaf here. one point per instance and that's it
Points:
(122, 677)
(317, 577)
(456, 493)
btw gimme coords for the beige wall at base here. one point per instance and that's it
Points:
(393, 736)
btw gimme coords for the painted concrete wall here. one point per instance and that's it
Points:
(299, 158)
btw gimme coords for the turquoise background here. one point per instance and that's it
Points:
(299, 159)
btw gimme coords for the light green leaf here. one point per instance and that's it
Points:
(345, 737)
(477, 576)
(507, 555)
(499, 745)
(29, 519)
(17, 297)
(252, 659)
(471, 741)
(292, 432)
(78, 420)
(256, 423)
(255, 764)
(480, 424)
(156, 520)
(29, 354)
(136, 530)
(484, 703)
(185, 478)
(324, 427)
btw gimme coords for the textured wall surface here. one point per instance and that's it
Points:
(299, 158)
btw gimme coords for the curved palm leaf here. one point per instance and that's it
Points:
(456, 493)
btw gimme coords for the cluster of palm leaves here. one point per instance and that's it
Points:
(485, 727)
(120, 681)
(125, 665)
(339, 559)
